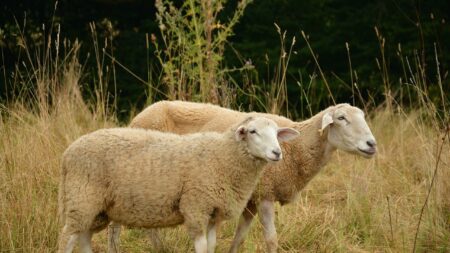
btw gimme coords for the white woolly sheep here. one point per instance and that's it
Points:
(338, 127)
(149, 179)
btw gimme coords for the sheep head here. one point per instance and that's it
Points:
(262, 136)
(348, 130)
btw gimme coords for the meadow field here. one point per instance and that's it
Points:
(399, 201)
(353, 205)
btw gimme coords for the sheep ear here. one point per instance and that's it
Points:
(326, 120)
(286, 134)
(240, 133)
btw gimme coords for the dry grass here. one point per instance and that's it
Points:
(354, 205)
(34, 131)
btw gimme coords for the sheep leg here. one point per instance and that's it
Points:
(67, 240)
(243, 227)
(85, 242)
(197, 227)
(77, 221)
(114, 237)
(267, 218)
(80, 221)
(196, 219)
(197, 232)
(201, 244)
(212, 237)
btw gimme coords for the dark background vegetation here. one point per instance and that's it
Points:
(415, 25)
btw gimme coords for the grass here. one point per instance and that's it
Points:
(353, 205)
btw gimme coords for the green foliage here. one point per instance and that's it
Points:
(205, 54)
(192, 54)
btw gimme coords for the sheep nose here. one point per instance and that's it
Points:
(277, 153)
(371, 143)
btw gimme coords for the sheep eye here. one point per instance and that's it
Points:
(252, 131)
(341, 118)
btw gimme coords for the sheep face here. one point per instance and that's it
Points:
(348, 130)
(262, 136)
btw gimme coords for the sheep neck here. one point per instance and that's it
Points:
(310, 152)
(243, 172)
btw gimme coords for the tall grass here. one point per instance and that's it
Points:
(353, 205)
(37, 124)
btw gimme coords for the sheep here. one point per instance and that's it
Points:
(338, 127)
(144, 178)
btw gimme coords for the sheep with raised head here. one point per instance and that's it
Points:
(149, 179)
(338, 127)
